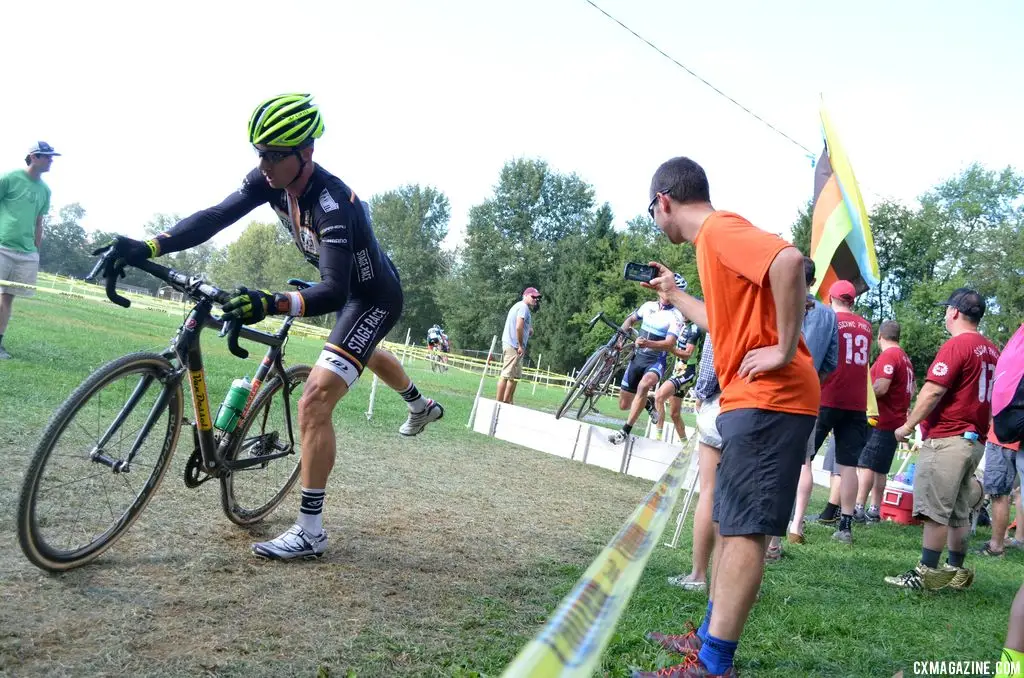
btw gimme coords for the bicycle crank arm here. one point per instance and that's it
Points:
(240, 464)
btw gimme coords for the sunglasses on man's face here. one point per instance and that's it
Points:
(273, 157)
(654, 201)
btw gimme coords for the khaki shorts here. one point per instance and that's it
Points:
(943, 480)
(511, 364)
(707, 423)
(19, 267)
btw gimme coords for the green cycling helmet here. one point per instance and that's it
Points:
(289, 120)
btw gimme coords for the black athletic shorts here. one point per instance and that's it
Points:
(755, 486)
(878, 452)
(361, 324)
(641, 364)
(682, 383)
(850, 429)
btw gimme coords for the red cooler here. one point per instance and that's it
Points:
(898, 504)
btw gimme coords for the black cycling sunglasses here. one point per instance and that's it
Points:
(274, 157)
(650, 208)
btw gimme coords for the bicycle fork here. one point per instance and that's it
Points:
(124, 465)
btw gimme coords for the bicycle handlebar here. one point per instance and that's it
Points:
(601, 316)
(194, 286)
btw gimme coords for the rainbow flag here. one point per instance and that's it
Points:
(841, 241)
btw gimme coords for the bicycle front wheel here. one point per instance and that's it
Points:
(81, 492)
(582, 381)
(272, 428)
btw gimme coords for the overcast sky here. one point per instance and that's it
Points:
(149, 103)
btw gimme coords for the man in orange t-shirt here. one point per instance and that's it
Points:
(754, 288)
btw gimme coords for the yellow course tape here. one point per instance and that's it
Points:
(575, 636)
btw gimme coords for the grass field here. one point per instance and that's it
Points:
(448, 552)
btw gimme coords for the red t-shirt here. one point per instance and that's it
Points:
(966, 366)
(893, 364)
(847, 387)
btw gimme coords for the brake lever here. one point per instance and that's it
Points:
(231, 329)
(111, 280)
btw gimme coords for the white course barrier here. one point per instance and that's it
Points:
(588, 443)
(577, 440)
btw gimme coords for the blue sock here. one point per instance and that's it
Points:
(716, 654)
(702, 632)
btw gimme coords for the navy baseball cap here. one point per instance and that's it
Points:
(968, 302)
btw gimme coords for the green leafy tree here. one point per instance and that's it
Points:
(64, 248)
(410, 222)
(263, 257)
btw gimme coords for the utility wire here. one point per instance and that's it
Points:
(718, 91)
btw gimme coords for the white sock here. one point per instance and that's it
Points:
(416, 402)
(311, 517)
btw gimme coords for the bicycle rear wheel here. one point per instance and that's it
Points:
(582, 381)
(248, 495)
(74, 507)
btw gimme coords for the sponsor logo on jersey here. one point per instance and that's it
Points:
(366, 329)
(327, 203)
(888, 369)
(940, 369)
(363, 265)
(341, 367)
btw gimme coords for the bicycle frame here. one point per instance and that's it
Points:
(185, 349)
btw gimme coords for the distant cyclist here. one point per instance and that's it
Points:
(434, 337)
(684, 375)
(661, 325)
(332, 229)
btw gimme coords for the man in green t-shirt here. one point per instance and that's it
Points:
(24, 199)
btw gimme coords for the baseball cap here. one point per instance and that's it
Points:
(967, 301)
(42, 148)
(531, 292)
(843, 289)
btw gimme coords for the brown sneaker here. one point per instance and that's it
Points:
(795, 538)
(682, 643)
(693, 667)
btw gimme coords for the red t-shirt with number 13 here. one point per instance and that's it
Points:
(847, 387)
(966, 366)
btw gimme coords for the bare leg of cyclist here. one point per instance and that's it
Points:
(675, 410)
(307, 538)
(422, 410)
(661, 396)
(637, 405)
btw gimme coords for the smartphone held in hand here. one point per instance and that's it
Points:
(640, 272)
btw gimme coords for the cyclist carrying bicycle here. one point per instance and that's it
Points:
(661, 326)
(332, 229)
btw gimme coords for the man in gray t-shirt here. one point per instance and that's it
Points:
(518, 329)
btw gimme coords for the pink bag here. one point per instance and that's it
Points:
(1008, 390)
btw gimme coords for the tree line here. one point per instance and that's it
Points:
(544, 228)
